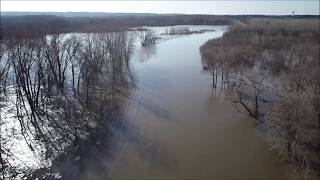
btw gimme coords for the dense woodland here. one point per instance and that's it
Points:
(271, 70)
(66, 91)
(35, 24)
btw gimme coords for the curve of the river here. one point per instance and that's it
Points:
(178, 127)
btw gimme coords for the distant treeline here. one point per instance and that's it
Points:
(34, 25)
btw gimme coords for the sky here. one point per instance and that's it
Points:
(267, 7)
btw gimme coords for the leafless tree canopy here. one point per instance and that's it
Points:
(67, 89)
(271, 70)
(147, 37)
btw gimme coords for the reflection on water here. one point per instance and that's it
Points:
(170, 124)
(146, 52)
(187, 128)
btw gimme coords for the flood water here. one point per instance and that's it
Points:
(177, 126)
(159, 118)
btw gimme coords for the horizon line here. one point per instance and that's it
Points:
(103, 12)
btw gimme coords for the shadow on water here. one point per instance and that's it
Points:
(153, 152)
(181, 127)
(67, 97)
(66, 93)
(145, 53)
(158, 111)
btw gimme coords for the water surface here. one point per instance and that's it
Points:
(177, 126)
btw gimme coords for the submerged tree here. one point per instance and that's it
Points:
(247, 91)
(272, 68)
(67, 88)
(147, 37)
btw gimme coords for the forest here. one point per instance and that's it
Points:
(64, 90)
(21, 25)
(270, 69)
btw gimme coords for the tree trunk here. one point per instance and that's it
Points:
(289, 149)
(256, 111)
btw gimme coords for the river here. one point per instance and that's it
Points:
(166, 122)
(177, 126)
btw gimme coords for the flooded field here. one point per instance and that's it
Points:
(121, 109)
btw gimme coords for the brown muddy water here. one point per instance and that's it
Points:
(172, 125)
(180, 128)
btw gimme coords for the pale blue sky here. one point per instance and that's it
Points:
(276, 7)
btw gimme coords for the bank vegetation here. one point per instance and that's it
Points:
(270, 69)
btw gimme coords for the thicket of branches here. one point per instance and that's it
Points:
(147, 37)
(271, 69)
(67, 88)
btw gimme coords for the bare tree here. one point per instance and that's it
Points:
(147, 37)
(4, 66)
(285, 120)
(246, 91)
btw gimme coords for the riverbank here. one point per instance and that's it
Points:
(271, 71)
